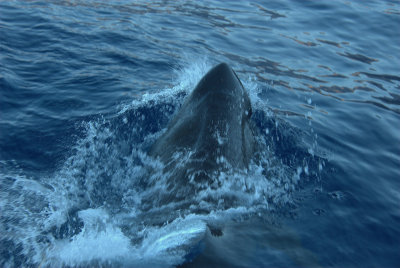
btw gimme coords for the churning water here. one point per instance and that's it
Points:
(86, 87)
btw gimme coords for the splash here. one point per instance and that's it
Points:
(96, 209)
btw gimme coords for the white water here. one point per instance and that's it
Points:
(102, 181)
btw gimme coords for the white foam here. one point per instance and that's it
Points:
(103, 238)
(90, 245)
(187, 77)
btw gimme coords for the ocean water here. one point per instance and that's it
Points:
(87, 86)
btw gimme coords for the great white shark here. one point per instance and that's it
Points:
(211, 133)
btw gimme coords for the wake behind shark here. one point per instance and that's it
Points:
(211, 133)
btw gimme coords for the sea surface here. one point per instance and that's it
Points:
(86, 87)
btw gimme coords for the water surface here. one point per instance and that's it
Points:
(87, 86)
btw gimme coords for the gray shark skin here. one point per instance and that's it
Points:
(210, 134)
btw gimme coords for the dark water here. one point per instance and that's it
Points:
(87, 86)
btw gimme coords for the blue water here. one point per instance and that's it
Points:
(87, 86)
